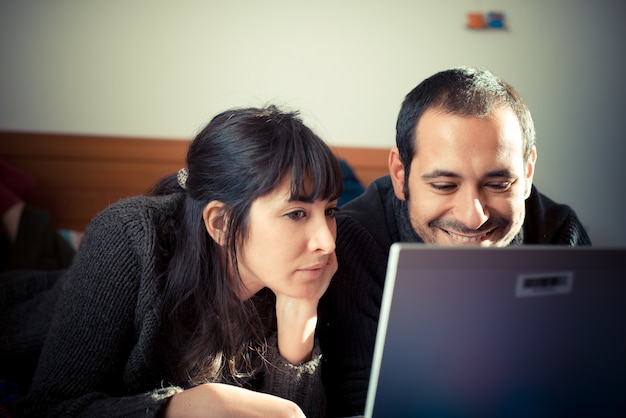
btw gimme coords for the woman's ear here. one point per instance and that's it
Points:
(213, 216)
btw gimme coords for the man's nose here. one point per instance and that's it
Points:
(471, 208)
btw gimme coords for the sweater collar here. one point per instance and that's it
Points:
(405, 228)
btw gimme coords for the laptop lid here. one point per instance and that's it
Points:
(501, 332)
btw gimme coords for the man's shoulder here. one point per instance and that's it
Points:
(550, 222)
(372, 202)
(369, 218)
(372, 209)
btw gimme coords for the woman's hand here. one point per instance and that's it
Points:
(297, 318)
(221, 400)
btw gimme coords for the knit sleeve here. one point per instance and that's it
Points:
(82, 369)
(301, 383)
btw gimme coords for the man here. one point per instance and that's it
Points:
(461, 174)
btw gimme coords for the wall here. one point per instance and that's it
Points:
(156, 68)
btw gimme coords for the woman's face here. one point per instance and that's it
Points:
(290, 245)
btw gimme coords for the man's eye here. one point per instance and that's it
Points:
(500, 186)
(444, 187)
(296, 214)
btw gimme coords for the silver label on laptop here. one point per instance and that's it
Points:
(544, 284)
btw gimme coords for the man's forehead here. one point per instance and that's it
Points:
(437, 130)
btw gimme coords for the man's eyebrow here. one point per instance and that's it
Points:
(499, 173)
(450, 174)
(439, 173)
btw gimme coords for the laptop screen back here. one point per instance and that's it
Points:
(525, 331)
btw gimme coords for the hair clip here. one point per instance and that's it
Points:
(181, 176)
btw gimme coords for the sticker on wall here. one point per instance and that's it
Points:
(488, 20)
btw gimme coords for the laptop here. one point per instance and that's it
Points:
(501, 332)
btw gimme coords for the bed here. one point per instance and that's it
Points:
(79, 175)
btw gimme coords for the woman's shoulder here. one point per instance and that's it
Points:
(139, 208)
(133, 218)
(142, 202)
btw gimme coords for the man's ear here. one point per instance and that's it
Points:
(530, 171)
(213, 216)
(396, 172)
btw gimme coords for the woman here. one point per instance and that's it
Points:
(201, 299)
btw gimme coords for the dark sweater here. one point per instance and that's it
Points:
(100, 358)
(366, 228)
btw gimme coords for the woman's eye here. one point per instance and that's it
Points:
(296, 214)
(331, 212)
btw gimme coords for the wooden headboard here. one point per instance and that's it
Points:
(79, 175)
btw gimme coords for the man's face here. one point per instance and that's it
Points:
(468, 180)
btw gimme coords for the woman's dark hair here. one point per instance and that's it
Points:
(461, 91)
(242, 154)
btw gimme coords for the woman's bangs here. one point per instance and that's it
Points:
(315, 174)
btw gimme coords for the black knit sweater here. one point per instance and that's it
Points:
(366, 228)
(100, 358)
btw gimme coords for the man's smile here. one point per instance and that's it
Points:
(469, 239)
